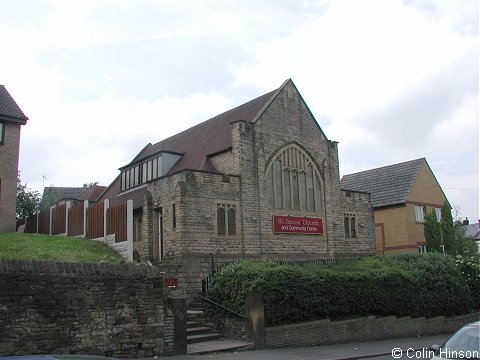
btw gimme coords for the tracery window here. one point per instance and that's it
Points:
(294, 181)
(349, 225)
(226, 219)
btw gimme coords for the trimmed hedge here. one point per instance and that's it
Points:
(402, 285)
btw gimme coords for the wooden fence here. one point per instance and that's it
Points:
(76, 220)
(95, 221)
(117, 222)
(80, 220)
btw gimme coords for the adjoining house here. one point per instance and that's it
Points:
(55, 196)
(11, 120)
(260, 181)
(402, 195)
(473, 231)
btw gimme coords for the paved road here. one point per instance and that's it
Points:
(379, 350)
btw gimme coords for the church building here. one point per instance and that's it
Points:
(259, 181)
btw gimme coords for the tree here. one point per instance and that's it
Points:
(450, 240)
(433, 233)
(464, 245)
(89, 185)
(27, 200)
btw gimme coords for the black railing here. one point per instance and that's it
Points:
(221, 306)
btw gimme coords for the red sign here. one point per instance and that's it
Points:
(297, 225)
(171, 283)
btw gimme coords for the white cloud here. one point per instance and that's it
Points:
(100, 79)
(85, 142)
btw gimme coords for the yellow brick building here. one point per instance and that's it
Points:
(402, 194)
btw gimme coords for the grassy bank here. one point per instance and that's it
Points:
(55, 248)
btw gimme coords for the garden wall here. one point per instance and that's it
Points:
(370, 328)
(100, 309)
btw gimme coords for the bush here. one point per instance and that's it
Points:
(402, 285)
(470, 269)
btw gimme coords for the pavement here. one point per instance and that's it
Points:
(349, 351)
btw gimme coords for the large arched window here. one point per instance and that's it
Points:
(293, 181)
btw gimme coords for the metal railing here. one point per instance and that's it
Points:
(221, 306)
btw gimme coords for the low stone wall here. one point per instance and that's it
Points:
(370, 328)
(121, 247)
(61, 308)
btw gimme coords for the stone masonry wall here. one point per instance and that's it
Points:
(287, 120)
(359, 204)
(324, 332)
(8, 176)
(100, 309)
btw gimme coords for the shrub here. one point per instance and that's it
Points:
(469, 266)
(402, 285)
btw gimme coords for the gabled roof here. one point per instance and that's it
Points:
(9, 110)
(207, 138)
(388, 185)
(53, 194)
(473, 231)
(199, 143)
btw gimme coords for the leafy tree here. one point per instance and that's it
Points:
(89, 185)
(461, 244)
(27, 200)
(433, 233)
(450, 240)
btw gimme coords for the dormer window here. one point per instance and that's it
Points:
(147, 169)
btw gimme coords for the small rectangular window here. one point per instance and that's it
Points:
(2, 132)
(349, 226)
(174, 217)
(422, 249)
(420, 212)
(221, 221)
(438, 213)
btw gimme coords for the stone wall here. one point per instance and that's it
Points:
(61, 308)
(8, 176)
(358, 203)
(324, 332)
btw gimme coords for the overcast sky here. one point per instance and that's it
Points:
(389, 80)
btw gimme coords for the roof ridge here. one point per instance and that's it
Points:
(9, 108)
(387, 166)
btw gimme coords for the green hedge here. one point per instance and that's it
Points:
(402, 285)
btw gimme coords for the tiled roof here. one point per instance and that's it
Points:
(94, 193)
(9, 110)
(388, 185)
(209, 137)
(53, 194)
(195, 144)
(473, 231)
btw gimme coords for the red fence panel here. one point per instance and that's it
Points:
(95, 221)
(75, 220)
(117, 222)
(31, 224)
(44, 222)
(59, 218)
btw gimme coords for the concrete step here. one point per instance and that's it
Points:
(195, 305)
(191, 339)
(195, 315)
(214, 346)
(194, 324)
(198, 330)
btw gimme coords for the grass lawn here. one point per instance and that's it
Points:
(55, 248)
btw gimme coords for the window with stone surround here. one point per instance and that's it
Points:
(294, 181)
(226, 219)
(349, 225)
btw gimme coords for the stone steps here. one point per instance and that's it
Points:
(202, 339)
